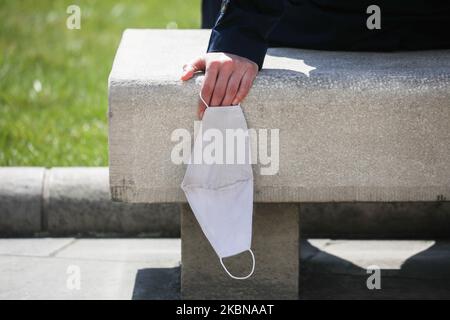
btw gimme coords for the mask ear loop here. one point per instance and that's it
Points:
(203, 100)
(240, 278)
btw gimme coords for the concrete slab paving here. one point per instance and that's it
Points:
(37, 247)
(89, 269)
(41, 278)
(148, 269)
(165, 251)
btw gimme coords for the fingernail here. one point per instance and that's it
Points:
(234, 102)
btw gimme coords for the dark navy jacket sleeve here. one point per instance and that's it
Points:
(243, 27)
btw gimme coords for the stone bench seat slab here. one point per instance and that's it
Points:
(353, 126)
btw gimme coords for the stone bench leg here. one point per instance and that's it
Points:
(275, 244)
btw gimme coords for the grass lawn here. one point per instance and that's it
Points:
(53, 81)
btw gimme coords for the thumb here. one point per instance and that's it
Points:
(189, 69)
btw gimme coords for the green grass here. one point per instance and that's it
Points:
(53, 81)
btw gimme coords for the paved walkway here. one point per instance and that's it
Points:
(149, 269)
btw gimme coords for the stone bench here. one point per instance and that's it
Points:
(365, 127)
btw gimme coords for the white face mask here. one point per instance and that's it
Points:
(221, 195)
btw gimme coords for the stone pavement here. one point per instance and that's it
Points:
(69, 268)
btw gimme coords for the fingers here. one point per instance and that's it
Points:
(232, 87)
(228, 78)
(244, 88)
(209, 82)
(208, 85)
(189, 69)
(220, 87)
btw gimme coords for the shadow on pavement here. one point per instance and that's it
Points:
(157, 284)
(425, 275)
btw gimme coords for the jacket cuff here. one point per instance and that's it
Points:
(238, 42)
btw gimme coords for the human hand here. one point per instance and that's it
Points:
(228, 78)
